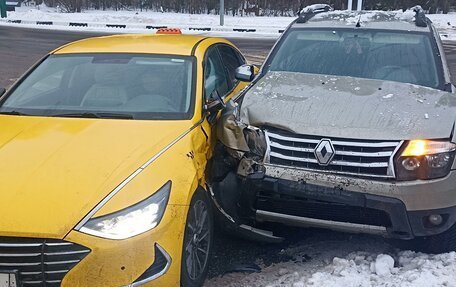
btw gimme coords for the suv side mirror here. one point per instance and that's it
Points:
(214, 103)
(2, 91)
(245, 73)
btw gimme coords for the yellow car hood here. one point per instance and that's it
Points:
(53, 171)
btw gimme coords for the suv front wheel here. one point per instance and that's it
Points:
(440, 243)
(435, 244)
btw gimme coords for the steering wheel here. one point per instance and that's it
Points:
(153, 101)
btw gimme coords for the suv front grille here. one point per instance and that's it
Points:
(39, 262)
(356, 157)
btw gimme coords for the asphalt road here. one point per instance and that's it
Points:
(20, 48)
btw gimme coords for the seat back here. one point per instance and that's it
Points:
(106, 91)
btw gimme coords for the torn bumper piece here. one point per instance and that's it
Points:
(233, 223)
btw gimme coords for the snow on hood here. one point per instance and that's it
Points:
(348, 107)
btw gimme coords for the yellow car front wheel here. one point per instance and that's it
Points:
(199, 231)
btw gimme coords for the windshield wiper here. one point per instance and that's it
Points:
(14, 113)
(96, 115)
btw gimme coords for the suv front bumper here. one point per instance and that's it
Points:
(394, 209)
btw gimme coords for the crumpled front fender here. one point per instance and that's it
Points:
(230, 131)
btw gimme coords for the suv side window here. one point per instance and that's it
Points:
(232, 60)
(215, 77)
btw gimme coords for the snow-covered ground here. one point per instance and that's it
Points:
(446, 24)
(348, 261)
(137, 21)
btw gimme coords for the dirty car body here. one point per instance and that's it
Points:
(349, 126)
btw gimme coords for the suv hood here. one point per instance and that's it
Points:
(348, 107)
(53, 171)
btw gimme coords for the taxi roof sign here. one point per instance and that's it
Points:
(169, 31)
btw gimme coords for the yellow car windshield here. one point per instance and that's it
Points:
(128, 86)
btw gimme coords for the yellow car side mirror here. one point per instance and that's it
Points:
(246, 73)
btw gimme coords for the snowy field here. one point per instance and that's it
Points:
(137, 21)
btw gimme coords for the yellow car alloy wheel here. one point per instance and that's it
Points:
(197, 241)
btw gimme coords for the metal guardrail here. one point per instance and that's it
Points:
(135, 26)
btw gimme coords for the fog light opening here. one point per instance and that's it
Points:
(435, 219)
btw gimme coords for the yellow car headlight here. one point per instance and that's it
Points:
(133, 220)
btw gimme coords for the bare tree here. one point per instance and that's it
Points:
(70, 6)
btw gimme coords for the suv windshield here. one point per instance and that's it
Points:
(373, 54)
(128, 86)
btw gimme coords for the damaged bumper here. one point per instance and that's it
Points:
(398, 210)
(308, 199)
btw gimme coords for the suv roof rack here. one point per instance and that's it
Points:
(308, 12)
(420, 16)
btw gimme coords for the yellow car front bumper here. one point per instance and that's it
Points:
(119, 263)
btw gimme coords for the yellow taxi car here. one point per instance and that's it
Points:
(103, 149)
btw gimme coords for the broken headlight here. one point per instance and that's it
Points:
(256, 141)
(425, 159)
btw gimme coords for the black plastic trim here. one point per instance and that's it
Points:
(404, 224)
(158, 266)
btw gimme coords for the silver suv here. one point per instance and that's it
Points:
(350, 125)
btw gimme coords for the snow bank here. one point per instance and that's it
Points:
(136, 21)
(359, 262)
(413, 269)
(446, 24)
(43, 13)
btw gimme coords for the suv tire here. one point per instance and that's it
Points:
(440, 243)
(435, 244)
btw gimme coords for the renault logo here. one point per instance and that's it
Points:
(324, 152)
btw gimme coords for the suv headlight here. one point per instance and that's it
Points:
(425, 159)
(132, 220)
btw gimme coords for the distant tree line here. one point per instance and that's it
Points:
(242, 7)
